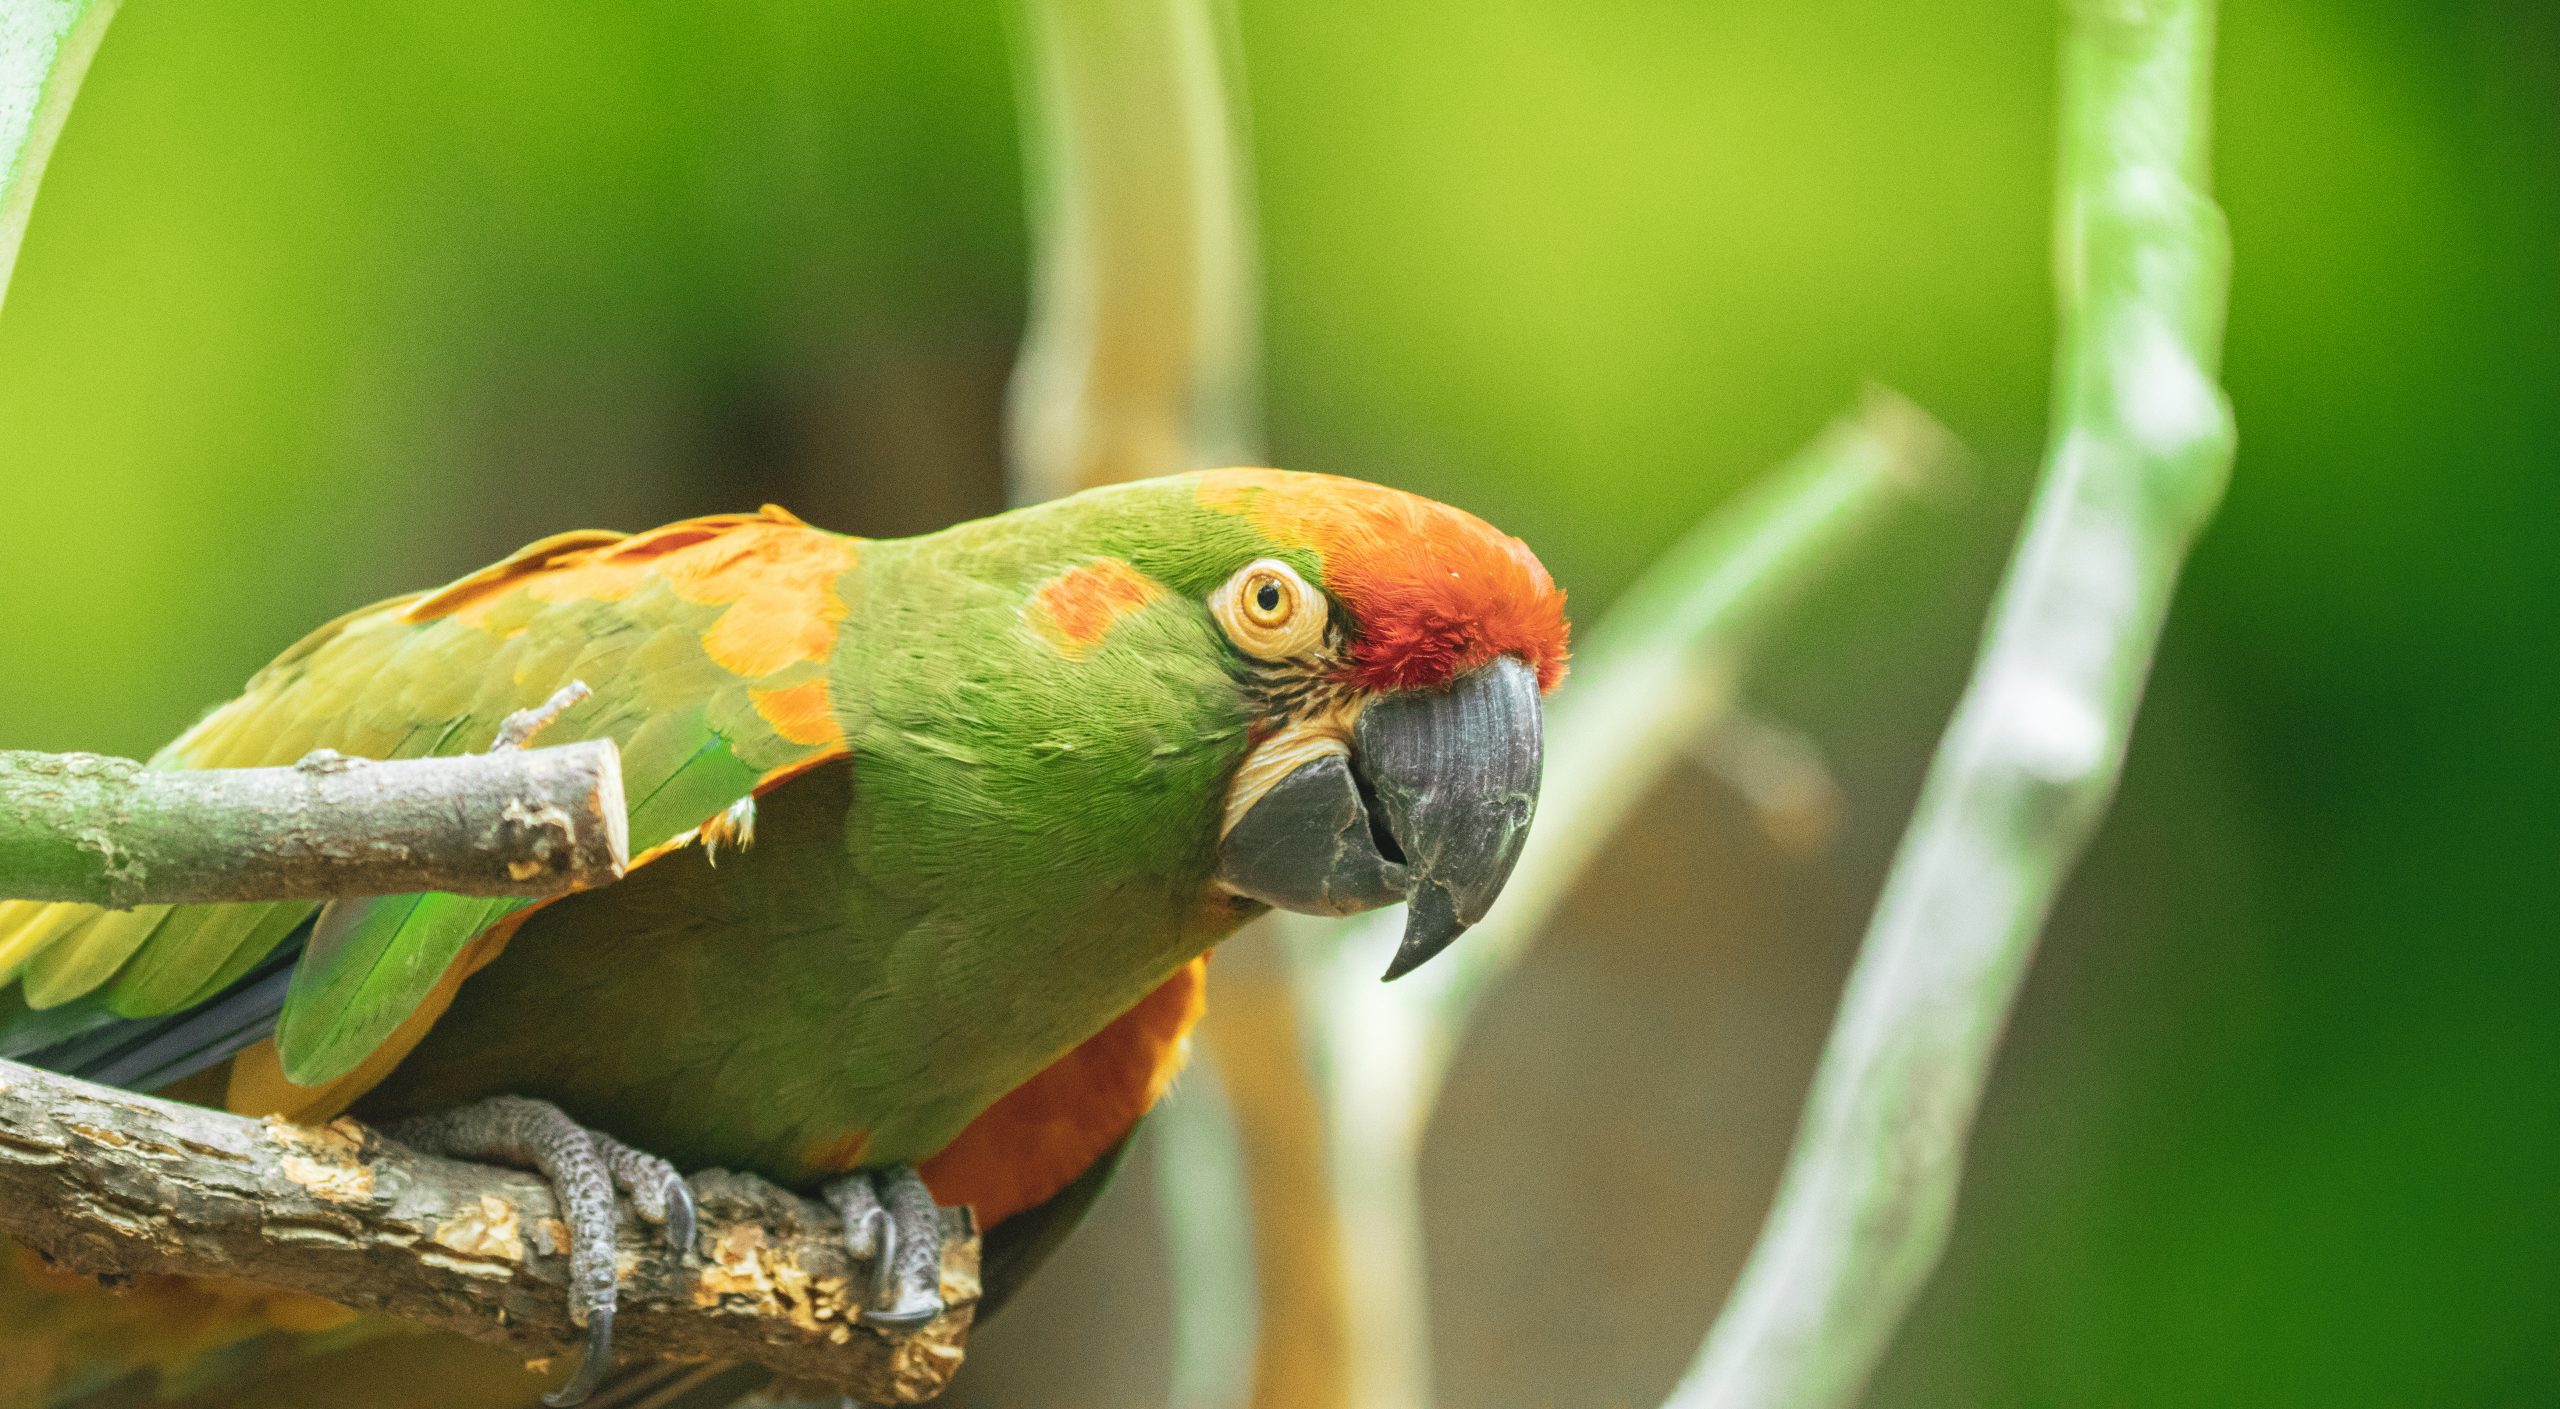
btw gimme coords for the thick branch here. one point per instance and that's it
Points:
(109, 831)
(109, 1183)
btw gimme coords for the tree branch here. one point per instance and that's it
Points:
(109, 831)
(116, 1185)
(112, 1184)
(2141, 448)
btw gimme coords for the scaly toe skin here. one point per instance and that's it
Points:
(657, 1193)
(584, 1169)
(874, 1236)
(892, 1225)
(868, 1233)
(916, 1264)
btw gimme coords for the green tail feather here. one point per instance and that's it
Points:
(88, 956)
(198, 951)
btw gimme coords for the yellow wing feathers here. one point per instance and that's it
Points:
(707, 644)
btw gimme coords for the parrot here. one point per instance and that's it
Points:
(930, 838)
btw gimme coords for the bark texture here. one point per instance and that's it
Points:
(111, 1184)
(108, 831)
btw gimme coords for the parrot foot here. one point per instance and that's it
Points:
(890, 1222)
(584, 1168)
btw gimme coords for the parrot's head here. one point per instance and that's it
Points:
(1392, 652)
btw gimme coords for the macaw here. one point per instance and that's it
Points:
(930, 839)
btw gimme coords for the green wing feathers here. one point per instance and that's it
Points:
(707, 644)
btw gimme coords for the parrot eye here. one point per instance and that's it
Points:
(1269, 611)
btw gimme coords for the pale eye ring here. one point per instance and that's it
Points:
(1269, 611)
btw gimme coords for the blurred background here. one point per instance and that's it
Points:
(324, 303)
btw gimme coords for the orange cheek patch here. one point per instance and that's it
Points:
(802, 713)
(1075, 609)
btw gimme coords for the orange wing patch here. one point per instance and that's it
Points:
(1076, 608)
(773, 573)
(802, 713)
(493, 581)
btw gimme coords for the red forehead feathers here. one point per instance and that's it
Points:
(1434, 591)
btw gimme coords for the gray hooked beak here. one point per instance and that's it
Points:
(1431, 808)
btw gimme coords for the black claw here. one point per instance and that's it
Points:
(680, 1218)
(881, 1231)
(892, 1226)
(905, 1316)
(594, 1358)
(585, 1169)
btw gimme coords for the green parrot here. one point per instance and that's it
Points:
(930, 838)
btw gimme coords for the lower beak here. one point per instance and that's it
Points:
(1431, 807)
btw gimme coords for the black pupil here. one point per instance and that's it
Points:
(1267, 597)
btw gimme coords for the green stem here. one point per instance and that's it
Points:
(45, 47)
(2140, 452)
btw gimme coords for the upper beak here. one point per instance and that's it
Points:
(1431, 807)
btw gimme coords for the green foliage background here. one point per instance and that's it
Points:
(326, 302)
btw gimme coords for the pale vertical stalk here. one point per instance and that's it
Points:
(1647, 682)
(1142, 350)
(1263, 1045)
(1142, 357)
(45, 47)
(1140, 360)
(1202, 1198)
(2139, 455)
